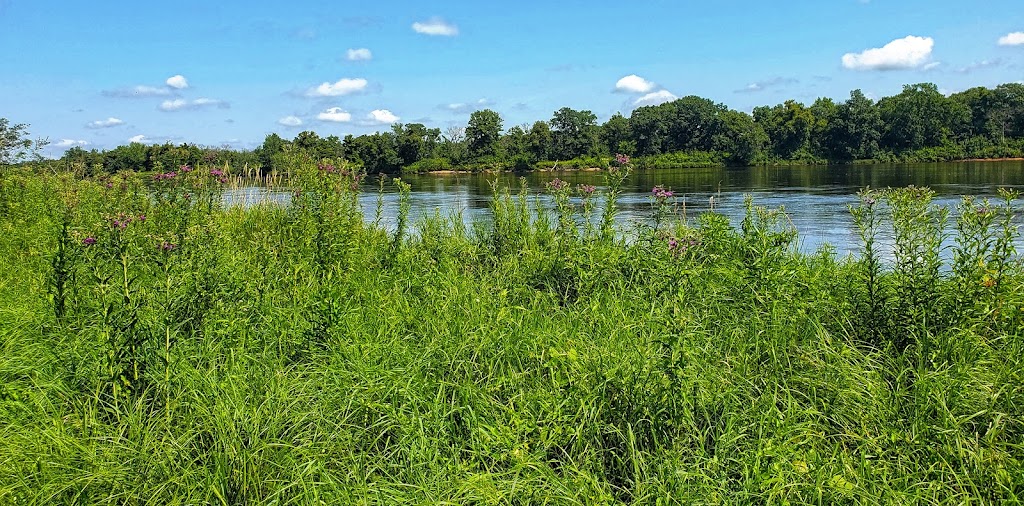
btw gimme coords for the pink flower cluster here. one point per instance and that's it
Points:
(165, 175)
(680, 246)
(661, 193)
(586, 189)
(122, 220)
(557, 185)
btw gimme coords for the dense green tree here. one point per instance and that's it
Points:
(616, 136)
(539, 142)
(649, 126)
(920, 116)
(788, 127)
(574, 133)
(693, 123)
(272, 146)
(415, 141)
(738, 139)
(483, 133)
(377, 153)
(131, 157)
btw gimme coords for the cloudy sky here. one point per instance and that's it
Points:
(100, 74)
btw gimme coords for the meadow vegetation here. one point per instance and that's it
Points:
(161, 348)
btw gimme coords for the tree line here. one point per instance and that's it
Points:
(918, 124)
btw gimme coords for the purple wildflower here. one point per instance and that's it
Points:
(557, 185)
(186, 168)
(621, 159)
(661, 193)
(586, 189)
(167, 246)
(216, 173)
(88, 241)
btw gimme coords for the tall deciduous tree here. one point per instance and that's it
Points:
(574, 133)
(483, 133)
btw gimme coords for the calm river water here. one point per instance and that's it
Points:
(816, 199)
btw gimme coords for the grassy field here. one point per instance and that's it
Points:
(156, 348)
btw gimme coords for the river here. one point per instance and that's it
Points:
(816, 198)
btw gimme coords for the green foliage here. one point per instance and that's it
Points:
(920, 124)
(483, 133)
(301, 355)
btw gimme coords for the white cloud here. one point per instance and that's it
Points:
(179, 104)
(770, 83)
(931, 66)
(290, 121)
(435, 26)
(140, 91)
(67, 143)
(658, 97)
(634, 84)
(177, 82)
(382, 117)
(335, 114)
(343, 86)
(140, 139)
(983, 64)
(906, 53)
(105, 123)
(361, 54)
(1012, 39)
(464, 108)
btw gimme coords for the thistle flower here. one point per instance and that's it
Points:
(556, 185)
(661, 193)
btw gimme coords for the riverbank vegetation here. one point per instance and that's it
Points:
(920, 124)
(161, 349)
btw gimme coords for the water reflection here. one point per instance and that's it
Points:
(817, 199)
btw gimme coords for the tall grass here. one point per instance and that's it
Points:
(160, 349)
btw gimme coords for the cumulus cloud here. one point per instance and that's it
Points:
(290, 121)
(180, 104)
(1012, 39)
(361, 54)
(906, 53)
(343, 86)
(177, 82)
(67, 143)
(655, 98)
(435, 26)
(382, 117)
(140, 91)
(142, 139)
(335, 115)
(634, 84)
(105, 123)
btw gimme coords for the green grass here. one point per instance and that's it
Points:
(301, 356)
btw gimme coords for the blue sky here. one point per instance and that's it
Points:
(99, 74)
